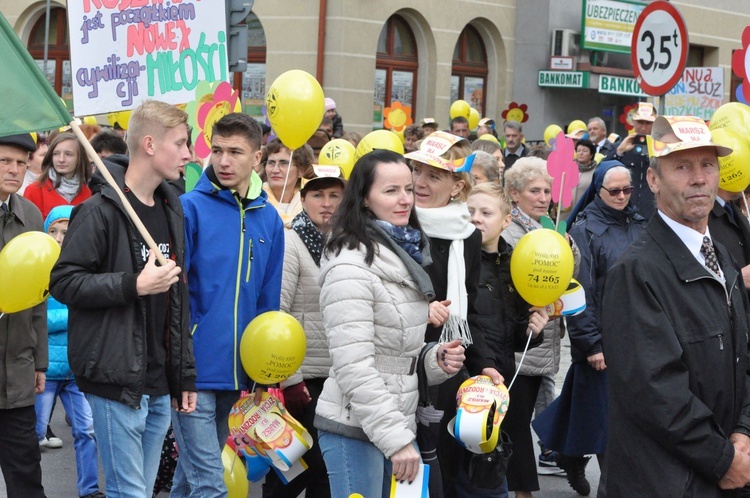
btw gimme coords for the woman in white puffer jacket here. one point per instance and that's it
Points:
(374, 298)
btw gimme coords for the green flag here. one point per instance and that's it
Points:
(27, 101)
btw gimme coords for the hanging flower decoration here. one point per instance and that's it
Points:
(212, 102)
(741, 67)
(625, 116)
(397, 117)
(516, 112)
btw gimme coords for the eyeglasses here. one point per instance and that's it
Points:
(7, 161)
(614, 192)
(280, 164)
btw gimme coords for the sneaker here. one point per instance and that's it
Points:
(53, 442)
(548, 464)
(575, 468)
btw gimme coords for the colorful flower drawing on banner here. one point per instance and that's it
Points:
(516, 112)
(625, 116)
(212, 102)
(397, 117)
(741, 67)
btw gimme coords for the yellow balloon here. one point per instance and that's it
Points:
(550, 133)
(734, 175)
(25, 264)
(473, 118)
(734, 115)
(460, 108)
(378, 139)
(272, 347)
(122, 118)
(490, 138)
(295, 106)
(235, 474)
(338, 152)
(575, 125)
(541, 266)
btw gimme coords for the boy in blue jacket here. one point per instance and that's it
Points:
(234, 260)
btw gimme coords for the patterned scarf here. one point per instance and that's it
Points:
(407, 238)
(522, 219)
(310, 235)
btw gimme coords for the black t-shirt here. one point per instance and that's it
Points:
(155, 219)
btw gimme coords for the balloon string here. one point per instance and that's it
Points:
(520, 363)
(286, 179)
(2, 315)
(744, 199)
(560, 205)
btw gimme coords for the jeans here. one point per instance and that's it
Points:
(79, 413)
(355, 466)
(130, 442)
(20, 459)
(200, 437)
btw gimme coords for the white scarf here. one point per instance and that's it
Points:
(452, 222)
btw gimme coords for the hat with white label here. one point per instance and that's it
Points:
(676, 133)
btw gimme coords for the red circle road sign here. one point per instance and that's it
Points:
(659, 47)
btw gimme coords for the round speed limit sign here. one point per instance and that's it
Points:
(659, 47)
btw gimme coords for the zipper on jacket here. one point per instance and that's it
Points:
(249, 259)
(238, 280)
(721, 342)
(192, 331)
(348, 409)
(489, 287)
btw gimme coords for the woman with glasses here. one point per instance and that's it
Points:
(65, 175)
(576, 423)
(284, 172)
(529, 187)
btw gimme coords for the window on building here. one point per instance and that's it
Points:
(469, 74)
(396, 68)
(58, 54)
(253, 81)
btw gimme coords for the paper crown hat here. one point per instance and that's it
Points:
(433, 147)
(676, 133)
(482, 406)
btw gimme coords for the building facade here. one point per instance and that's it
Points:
(424, 54)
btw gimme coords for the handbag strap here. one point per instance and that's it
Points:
(424, 388)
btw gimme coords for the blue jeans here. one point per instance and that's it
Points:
(355, 466)
(79, 413)
(200, 437)
(130, 442)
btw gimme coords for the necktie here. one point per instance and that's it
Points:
(5, 208)
(730, 210)
(707, 249)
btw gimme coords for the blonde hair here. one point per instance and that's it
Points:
(154, 118)
(493, 190)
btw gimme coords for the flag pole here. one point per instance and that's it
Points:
(112, 183)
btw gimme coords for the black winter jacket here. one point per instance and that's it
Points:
(677, 363)
(96, 277)
(501, 311)
(602, 234)
(642, 199)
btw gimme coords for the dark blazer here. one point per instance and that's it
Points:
(677, 359)
(734, 234)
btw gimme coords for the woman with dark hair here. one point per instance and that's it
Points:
(575, 424)
(300, 297)
(284, 172)
(66, 172)
(585, 151)
(374, 299)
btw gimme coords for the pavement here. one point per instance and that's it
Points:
(59, 465)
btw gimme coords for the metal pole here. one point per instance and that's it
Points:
(46, 40)
(662, 104)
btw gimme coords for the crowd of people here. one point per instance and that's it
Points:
(400, 274)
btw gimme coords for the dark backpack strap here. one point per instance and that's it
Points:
(424, 388)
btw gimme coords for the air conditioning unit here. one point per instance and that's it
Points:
(565, 42)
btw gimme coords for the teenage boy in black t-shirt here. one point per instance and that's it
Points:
(128, 333)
